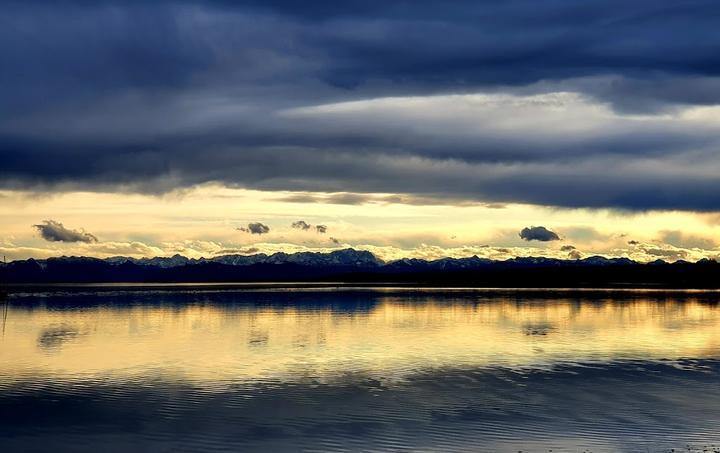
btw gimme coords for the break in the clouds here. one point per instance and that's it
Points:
(603, 103)
(54, 231)
(538, 233)
(255, 228)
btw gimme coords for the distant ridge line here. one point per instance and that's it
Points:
(358, 266)
(343, 256)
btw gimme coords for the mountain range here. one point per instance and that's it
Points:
(349, 265)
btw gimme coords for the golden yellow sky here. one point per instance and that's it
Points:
(203, 221)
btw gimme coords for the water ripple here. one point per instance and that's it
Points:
(216, 371)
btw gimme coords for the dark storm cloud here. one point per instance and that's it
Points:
(419, 45)
(322, 229)
(152, 96)
(255, 228)
(567, 248)
(54, 231)
(538, 233)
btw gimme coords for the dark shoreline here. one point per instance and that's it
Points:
(352, 287)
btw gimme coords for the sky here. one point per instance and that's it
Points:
(563, 128)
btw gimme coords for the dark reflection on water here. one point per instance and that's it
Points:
(383, 371)
(53, 337)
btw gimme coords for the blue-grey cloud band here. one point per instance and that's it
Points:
(152, 97)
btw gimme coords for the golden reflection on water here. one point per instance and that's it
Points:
(216, 343)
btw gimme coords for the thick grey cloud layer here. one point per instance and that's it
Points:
(54, 231)
(152, 96)
(538, 233)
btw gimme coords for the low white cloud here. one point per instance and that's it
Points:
(641, 252)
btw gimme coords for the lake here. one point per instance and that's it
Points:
(347, 369)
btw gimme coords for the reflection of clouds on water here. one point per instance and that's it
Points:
(361, 371)
(258, 338)
(321, 338)
(301, 340)
(540, 329)
(52, 338)
(382, 333)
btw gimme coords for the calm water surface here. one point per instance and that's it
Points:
(381, 370)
